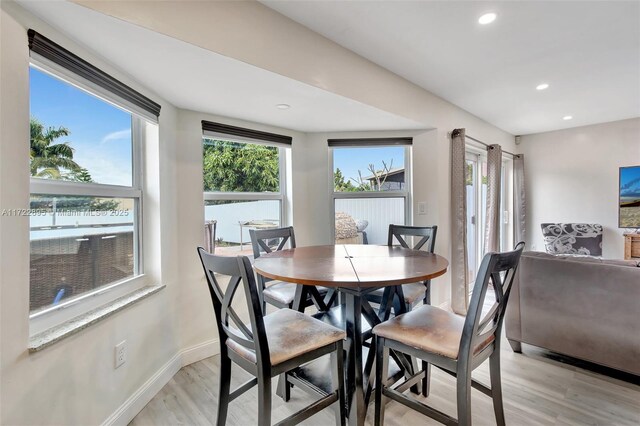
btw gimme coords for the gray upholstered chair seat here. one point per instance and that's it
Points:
(291, 334)
(284, 292)
(280, 291)
(429, 329)
(412, 292)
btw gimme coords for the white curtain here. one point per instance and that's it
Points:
(459, 275)
(494, 183)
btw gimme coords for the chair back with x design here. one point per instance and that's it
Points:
(270, 240)
(427, 236)
(230, 325)
(497, 269)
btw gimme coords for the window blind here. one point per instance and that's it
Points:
(214, 129)
(42, 47)
(364, 142)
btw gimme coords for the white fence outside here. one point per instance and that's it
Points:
(379, 212)
(229, 217)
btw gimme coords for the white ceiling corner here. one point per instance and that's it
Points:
(588, 52)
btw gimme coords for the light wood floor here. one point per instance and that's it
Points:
(539, 389)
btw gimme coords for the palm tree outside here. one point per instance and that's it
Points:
(48, 159)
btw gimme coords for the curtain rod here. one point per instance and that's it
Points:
(487, 145)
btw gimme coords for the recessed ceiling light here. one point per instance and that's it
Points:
(283, 106)
(567, 117)
(542, 86)
(487, 18)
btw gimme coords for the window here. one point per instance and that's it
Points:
(85, 192)
(371, 188)
(86, 179)
(244, 184)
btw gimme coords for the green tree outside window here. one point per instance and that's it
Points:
(237, 167)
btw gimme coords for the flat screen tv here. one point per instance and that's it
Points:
(629, 216)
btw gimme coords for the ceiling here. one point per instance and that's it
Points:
(588, 52)
(200, 80)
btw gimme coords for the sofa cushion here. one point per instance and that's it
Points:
(573, 238)
(583, 259)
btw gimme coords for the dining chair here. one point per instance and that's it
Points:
(269, 345)
(452, 343)
(278, 293)
(410, 294)
(403, 298)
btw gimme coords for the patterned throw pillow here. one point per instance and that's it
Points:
(573, 238)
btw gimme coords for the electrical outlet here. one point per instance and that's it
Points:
(120, 353)
(422, 208)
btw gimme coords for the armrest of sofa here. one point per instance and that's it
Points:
(512, 316)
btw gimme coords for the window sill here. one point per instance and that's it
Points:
(76, 324)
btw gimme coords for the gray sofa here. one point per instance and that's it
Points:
(583, 307)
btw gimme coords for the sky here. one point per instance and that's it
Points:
(630, 183)
(100, 133)
(350, 160)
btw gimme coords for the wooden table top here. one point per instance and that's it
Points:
(351, 265)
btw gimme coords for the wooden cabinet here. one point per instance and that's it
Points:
(632, 246)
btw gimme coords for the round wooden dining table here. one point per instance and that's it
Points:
(354, 271)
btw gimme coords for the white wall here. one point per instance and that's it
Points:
(73, 381)
(572, 176)
(197, 320)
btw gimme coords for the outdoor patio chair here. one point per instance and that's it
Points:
(210, 235)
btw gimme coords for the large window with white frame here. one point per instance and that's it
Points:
(370, 187)
(244, 185)
(86, 191)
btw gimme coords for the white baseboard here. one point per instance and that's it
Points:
(136, 402)
(199, 352)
